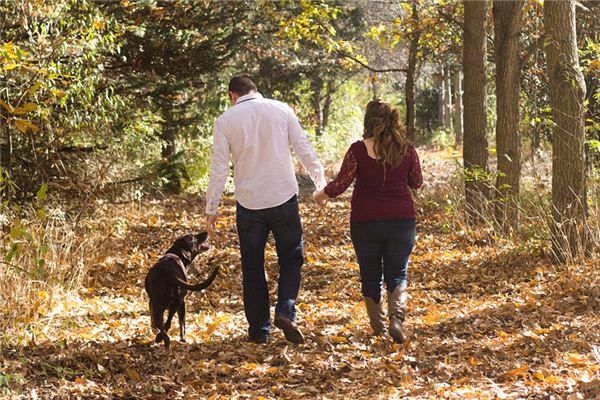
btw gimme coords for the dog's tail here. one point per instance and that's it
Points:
(198, 286)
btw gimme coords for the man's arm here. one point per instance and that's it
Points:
(219, 170)
(305, 152)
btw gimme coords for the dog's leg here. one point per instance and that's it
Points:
(181, 316)
(172, 311)
(157, 317)
(152, 321)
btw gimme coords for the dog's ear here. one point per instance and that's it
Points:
(184, 247)
(202, 236)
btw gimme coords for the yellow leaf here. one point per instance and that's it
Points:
(575, 358)
(539, 375)
(338, 339)
(35, 87)
(58, 92)
(24, 125)
(250, 366)
(99, 24)
(133, 374)
(6, 105)
(43, 294)
(9, 49)
(81, 380)
(521, 371)
(29, 107)
(213, 326)
(8, 67)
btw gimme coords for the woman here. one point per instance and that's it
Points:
(382, 221)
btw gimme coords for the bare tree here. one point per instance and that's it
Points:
(508, 16)
(475, 149)
(567, 93)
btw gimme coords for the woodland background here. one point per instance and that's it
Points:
(106, 111)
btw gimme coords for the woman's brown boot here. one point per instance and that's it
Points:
(376, 315)
(396, 309)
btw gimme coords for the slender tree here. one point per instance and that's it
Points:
(475, 149)
(508, 16)
(448, 114)
(567, 93)
(458, 108)
(411, 72)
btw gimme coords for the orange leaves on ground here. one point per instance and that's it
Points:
(484, 320)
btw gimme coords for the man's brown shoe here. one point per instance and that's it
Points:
(289, 328)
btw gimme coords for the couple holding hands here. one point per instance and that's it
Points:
(257, 134)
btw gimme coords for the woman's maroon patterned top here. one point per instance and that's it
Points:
(379, 193)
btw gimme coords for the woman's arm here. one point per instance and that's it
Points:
(415, 177)
(344, 178)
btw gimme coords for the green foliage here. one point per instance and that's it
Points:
(21, 240)
(346, 122)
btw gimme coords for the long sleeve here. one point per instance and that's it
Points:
(304, 151)
(345, 177)
(415, 177)
(219, 170)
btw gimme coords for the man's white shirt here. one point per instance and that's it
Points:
(258, 133)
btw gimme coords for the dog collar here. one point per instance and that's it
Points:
(176, 258)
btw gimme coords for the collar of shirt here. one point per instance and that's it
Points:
(249, 96)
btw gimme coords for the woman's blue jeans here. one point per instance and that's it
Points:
(383, 249)
(254, 227)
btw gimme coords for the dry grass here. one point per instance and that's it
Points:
(30, 286)
(488, 317)
(534, 209)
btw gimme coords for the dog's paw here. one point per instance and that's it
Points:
(159, 337)
(167, 341)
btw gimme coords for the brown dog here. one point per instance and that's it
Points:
(166, 284)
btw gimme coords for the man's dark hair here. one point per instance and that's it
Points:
(242, 84)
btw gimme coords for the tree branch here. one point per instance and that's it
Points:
(380, 70)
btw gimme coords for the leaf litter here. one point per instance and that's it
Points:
(486, 319)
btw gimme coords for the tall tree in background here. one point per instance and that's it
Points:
(567, 93)
(508, 16)
(169, 49)
(458, 108)
(475, 151)
(411, 71)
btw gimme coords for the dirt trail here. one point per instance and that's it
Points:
(486, 320)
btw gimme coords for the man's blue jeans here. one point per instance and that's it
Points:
(383, 249)
(253, 230)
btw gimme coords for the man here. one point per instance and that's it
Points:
(258, 133)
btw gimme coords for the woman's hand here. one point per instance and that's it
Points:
(320, 197)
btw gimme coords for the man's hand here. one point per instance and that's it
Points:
(320, 197)
(211, 223)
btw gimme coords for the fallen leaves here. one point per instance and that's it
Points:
(484, 322)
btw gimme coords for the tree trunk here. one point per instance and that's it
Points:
(458, 108)
(169, 149)
(441, 102)
(448, 100)
(327, 103)
(475, 148)
(317, 87)
(508, 15)
(374, 85)
(6, 154)
(411, 75)
(567, 93)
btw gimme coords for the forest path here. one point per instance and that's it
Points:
(487, 319)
